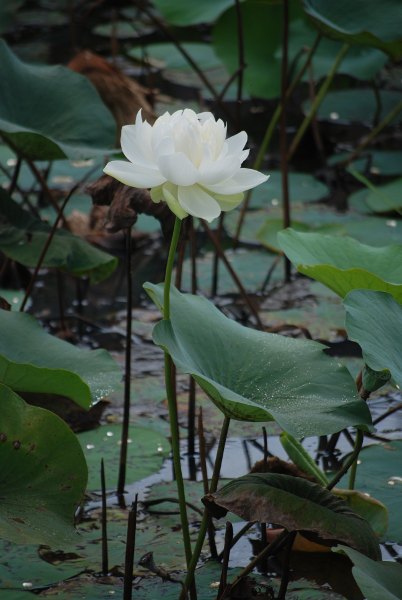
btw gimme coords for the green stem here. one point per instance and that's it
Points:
(349, 462)
(275, 117)
(270, 132)
(174, 424)
(204, 523)
(373, 133)
(318, 99)
(169, 268)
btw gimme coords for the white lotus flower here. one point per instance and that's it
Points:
(186, 160)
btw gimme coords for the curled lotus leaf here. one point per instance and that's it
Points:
(297, 505)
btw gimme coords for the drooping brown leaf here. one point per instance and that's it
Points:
(276, 465)
(123, 96)
(75, 416)
(297, 505)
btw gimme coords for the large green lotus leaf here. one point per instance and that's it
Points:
(374, 321)
(343, 264)
(59, 114)
(359, 106)
(31, 360)
(378, 580)
(297, 505)
(379, 475)
(191, 12)
(146, 451)
(255, 376)
(262, 29)
(365, 22)
(302, 188)
(43, 473)
(23, 236)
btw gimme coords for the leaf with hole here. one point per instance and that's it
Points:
(57, 114)
(255, 376)
(297, 505)
(343, 264)
(31, 360)
(43, 473)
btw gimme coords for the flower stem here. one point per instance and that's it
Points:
(270, 132)
(169, 268)
(170, 393)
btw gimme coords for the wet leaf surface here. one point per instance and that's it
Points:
(43, 473)
(374, 321)
(251, 387)
(146, 451)
(32, 360)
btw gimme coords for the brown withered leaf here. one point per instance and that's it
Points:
(75, 416)
(277, 465)
(126, 203)
(123, 96)
(4, 305)
(297, 505)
